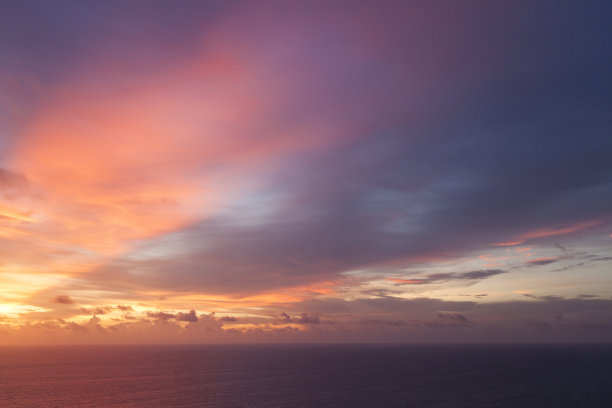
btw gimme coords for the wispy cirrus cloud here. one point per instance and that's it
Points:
(445, 277)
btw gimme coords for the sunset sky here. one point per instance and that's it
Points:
(313, 171)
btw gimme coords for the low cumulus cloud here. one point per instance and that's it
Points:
(161, 315)
(545, 318)
(303, 318)
(100, 310)
(190, 316)
(187, 317)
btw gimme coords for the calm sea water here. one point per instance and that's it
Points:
(307, 376)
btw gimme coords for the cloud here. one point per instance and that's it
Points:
(445, 277)
(190, 316)
(545, 298)
(381, 292)
(546, 318)
(380, 181)
(564, 250)
(63, 299)
(306, 318)
(10, 180)
(72, 326)
(384, 322)
(303, 318)
(187, 317)
(402, 149)
(543, 261)
(455, 317)
(99, 310)
(161, 315)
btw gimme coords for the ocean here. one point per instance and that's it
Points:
(296, 376)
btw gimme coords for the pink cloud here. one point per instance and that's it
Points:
(549, 232)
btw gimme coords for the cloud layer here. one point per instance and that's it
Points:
(249, 158)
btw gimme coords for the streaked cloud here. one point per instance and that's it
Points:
(312, 171)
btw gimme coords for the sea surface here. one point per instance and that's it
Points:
(214, 376)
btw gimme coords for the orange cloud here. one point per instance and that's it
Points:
(146, 154)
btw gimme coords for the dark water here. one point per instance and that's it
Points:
(307, 376)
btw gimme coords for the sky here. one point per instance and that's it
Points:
(288, 171)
